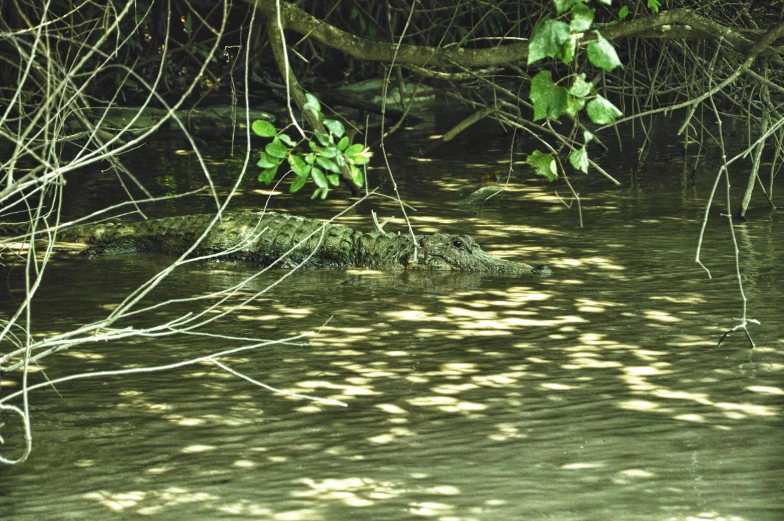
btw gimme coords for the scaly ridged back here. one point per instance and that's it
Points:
(262, 237)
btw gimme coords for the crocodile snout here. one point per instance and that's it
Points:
(542, 270)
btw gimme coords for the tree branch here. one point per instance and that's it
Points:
(298, 20)
(671, 24)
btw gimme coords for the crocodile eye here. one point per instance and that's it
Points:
(457, 243)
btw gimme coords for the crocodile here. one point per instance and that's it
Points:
(288, 241)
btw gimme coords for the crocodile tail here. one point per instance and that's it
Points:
(14, 229)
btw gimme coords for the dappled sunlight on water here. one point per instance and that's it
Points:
(464, 392)
(598, 394)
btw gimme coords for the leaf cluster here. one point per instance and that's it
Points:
(327, 153)
(556, 39)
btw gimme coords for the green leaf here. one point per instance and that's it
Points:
(324, 139)
(286, 139)
(353, 149)
(547, 39)
(267, 162)
(276, 149)
(333, 179)
(654, 5)
(574, 105)
(313, 146)
(602, 54)
(587, 136)
(204, 51)
(268, 174)
(317, 193)
(580, 87)
(298, 183)
(601, 111)
(561, 6)
(263, 128)
(582, 18)
(298, 166)
(544, 164)
(327, 164)
(188, 25)
(579, 159)
(623, 12)
(343, 143)
(318, 177)
(566, 54)
(312, 104)
(129, 82)
(335, 127)
(357, 176)
(362, 158)
(324, 192)
(310, 158)
(549, 99)
(329, 151)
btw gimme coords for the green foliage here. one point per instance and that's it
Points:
(543, 164)
(335, 127)
(623, 12)
(276, 149)
(602, 54)
(601, 111)
(579, 159)
(580, 87)
(549, 99)
(203, 50)
(547, 40)
(312, 104)
(323, 160)
(263, 128)
(268, 174)
(554, 38)
(299, 166)
(582, 18)
(188, 25)
(298, 183)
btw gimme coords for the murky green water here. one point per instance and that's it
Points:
(598, 394)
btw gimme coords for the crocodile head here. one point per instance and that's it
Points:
(452, 252)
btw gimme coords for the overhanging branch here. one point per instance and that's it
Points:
(671, 24)
(298, 20)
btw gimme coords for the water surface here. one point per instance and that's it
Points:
(598, 394)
